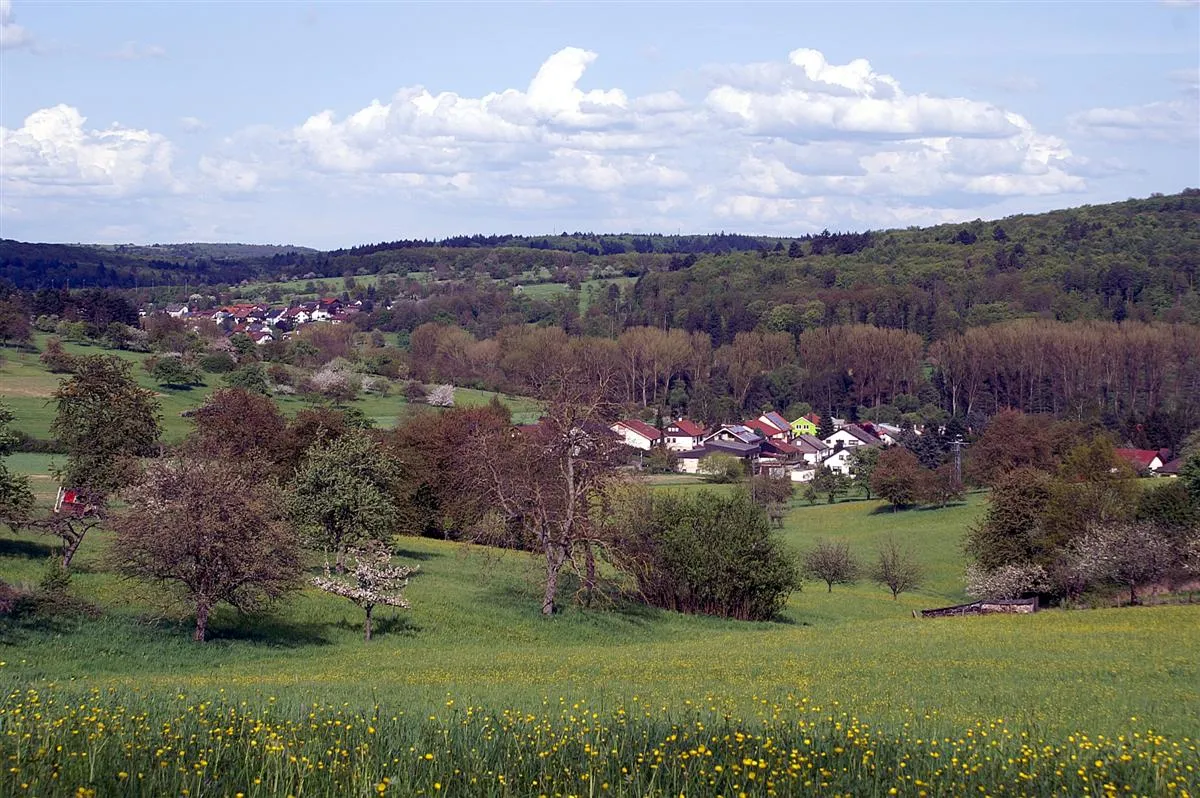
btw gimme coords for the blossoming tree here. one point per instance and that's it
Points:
(372, 581)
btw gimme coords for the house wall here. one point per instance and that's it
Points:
(681, 443)
(631, 438)
(839, 461)
(847, 440)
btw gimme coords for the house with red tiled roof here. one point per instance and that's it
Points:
(767, 429)
(1142, 459)
(683, 435)
(637, 434)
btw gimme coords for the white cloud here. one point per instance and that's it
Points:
(133, 51)
(192, 124)
(52, 154)
(12, 35)
(782, 146)
(1175, 121)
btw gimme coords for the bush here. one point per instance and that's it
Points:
(722, 468)
(661, 460)
(706, 554)
(218, 363)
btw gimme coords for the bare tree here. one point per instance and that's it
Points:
(543, 480)
(210, 532)
(832, 563)
(896, 569)
(372, 581)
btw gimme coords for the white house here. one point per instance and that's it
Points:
(851, 436)
(839, 461)
(176, 311)
(637, 434)
(683, 435)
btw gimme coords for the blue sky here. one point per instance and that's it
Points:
(334, 124)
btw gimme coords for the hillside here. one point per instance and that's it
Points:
(1136, 259)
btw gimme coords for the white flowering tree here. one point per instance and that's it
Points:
(371, 582)
(441, 396)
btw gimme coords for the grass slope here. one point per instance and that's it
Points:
(27, 387)
(474, 635)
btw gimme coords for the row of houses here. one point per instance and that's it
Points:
(263, 323)
(770, 444)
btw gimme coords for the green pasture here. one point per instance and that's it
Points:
(27, 387)
(474, 635)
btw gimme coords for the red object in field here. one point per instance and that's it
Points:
(69, 502)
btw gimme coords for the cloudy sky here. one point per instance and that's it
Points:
(334, 124)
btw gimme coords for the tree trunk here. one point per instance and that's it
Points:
(369, 608)
(202, 610)
(71, 541)
(341, 561)
(589, 580)
(553, 565)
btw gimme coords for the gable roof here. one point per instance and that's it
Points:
(641, 428)
(688, 427)
(741, 432)
(1172, 467)
(860, 433)
(780, 423)
(1140, 458)
(762, 427)
(810, 443)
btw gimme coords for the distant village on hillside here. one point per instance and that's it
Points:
(264, 323)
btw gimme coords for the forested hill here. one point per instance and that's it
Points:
(1136, 259)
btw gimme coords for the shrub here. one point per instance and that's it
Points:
(722, 468)
(706, 554)
(218, 363)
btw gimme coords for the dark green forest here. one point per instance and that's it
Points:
(1132, 260)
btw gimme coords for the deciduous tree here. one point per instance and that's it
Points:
(210, 532)
(343, 495)
(896, 568)
(372, 581)
(832, 563)
(106, 421)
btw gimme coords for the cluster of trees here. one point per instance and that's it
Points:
(226, 516)
(1065, 517)
(894, 566)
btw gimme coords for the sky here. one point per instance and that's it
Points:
(335, 124)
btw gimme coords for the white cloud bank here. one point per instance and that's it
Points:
(782, 146)
(53, 154)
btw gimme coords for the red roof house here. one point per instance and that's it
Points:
(1141, 459)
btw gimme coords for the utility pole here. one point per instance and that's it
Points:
(958, 444)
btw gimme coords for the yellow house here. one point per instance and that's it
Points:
(806, 425)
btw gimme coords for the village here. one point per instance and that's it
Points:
(770, 445)
(264, 323)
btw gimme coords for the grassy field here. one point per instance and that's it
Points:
(27, 387)
(845, 693)
(474, 648)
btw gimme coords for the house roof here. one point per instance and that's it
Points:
(641, 428)
(741, 432)
(778, 421)
(814, 418)
(1141, 458)
(733, 447)
(783, 447)
(688, 427)
(810, 443)
(1172, 467)
(762, 427)
(860, 433)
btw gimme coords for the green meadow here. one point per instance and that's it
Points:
(472, 692)
(27, 388)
